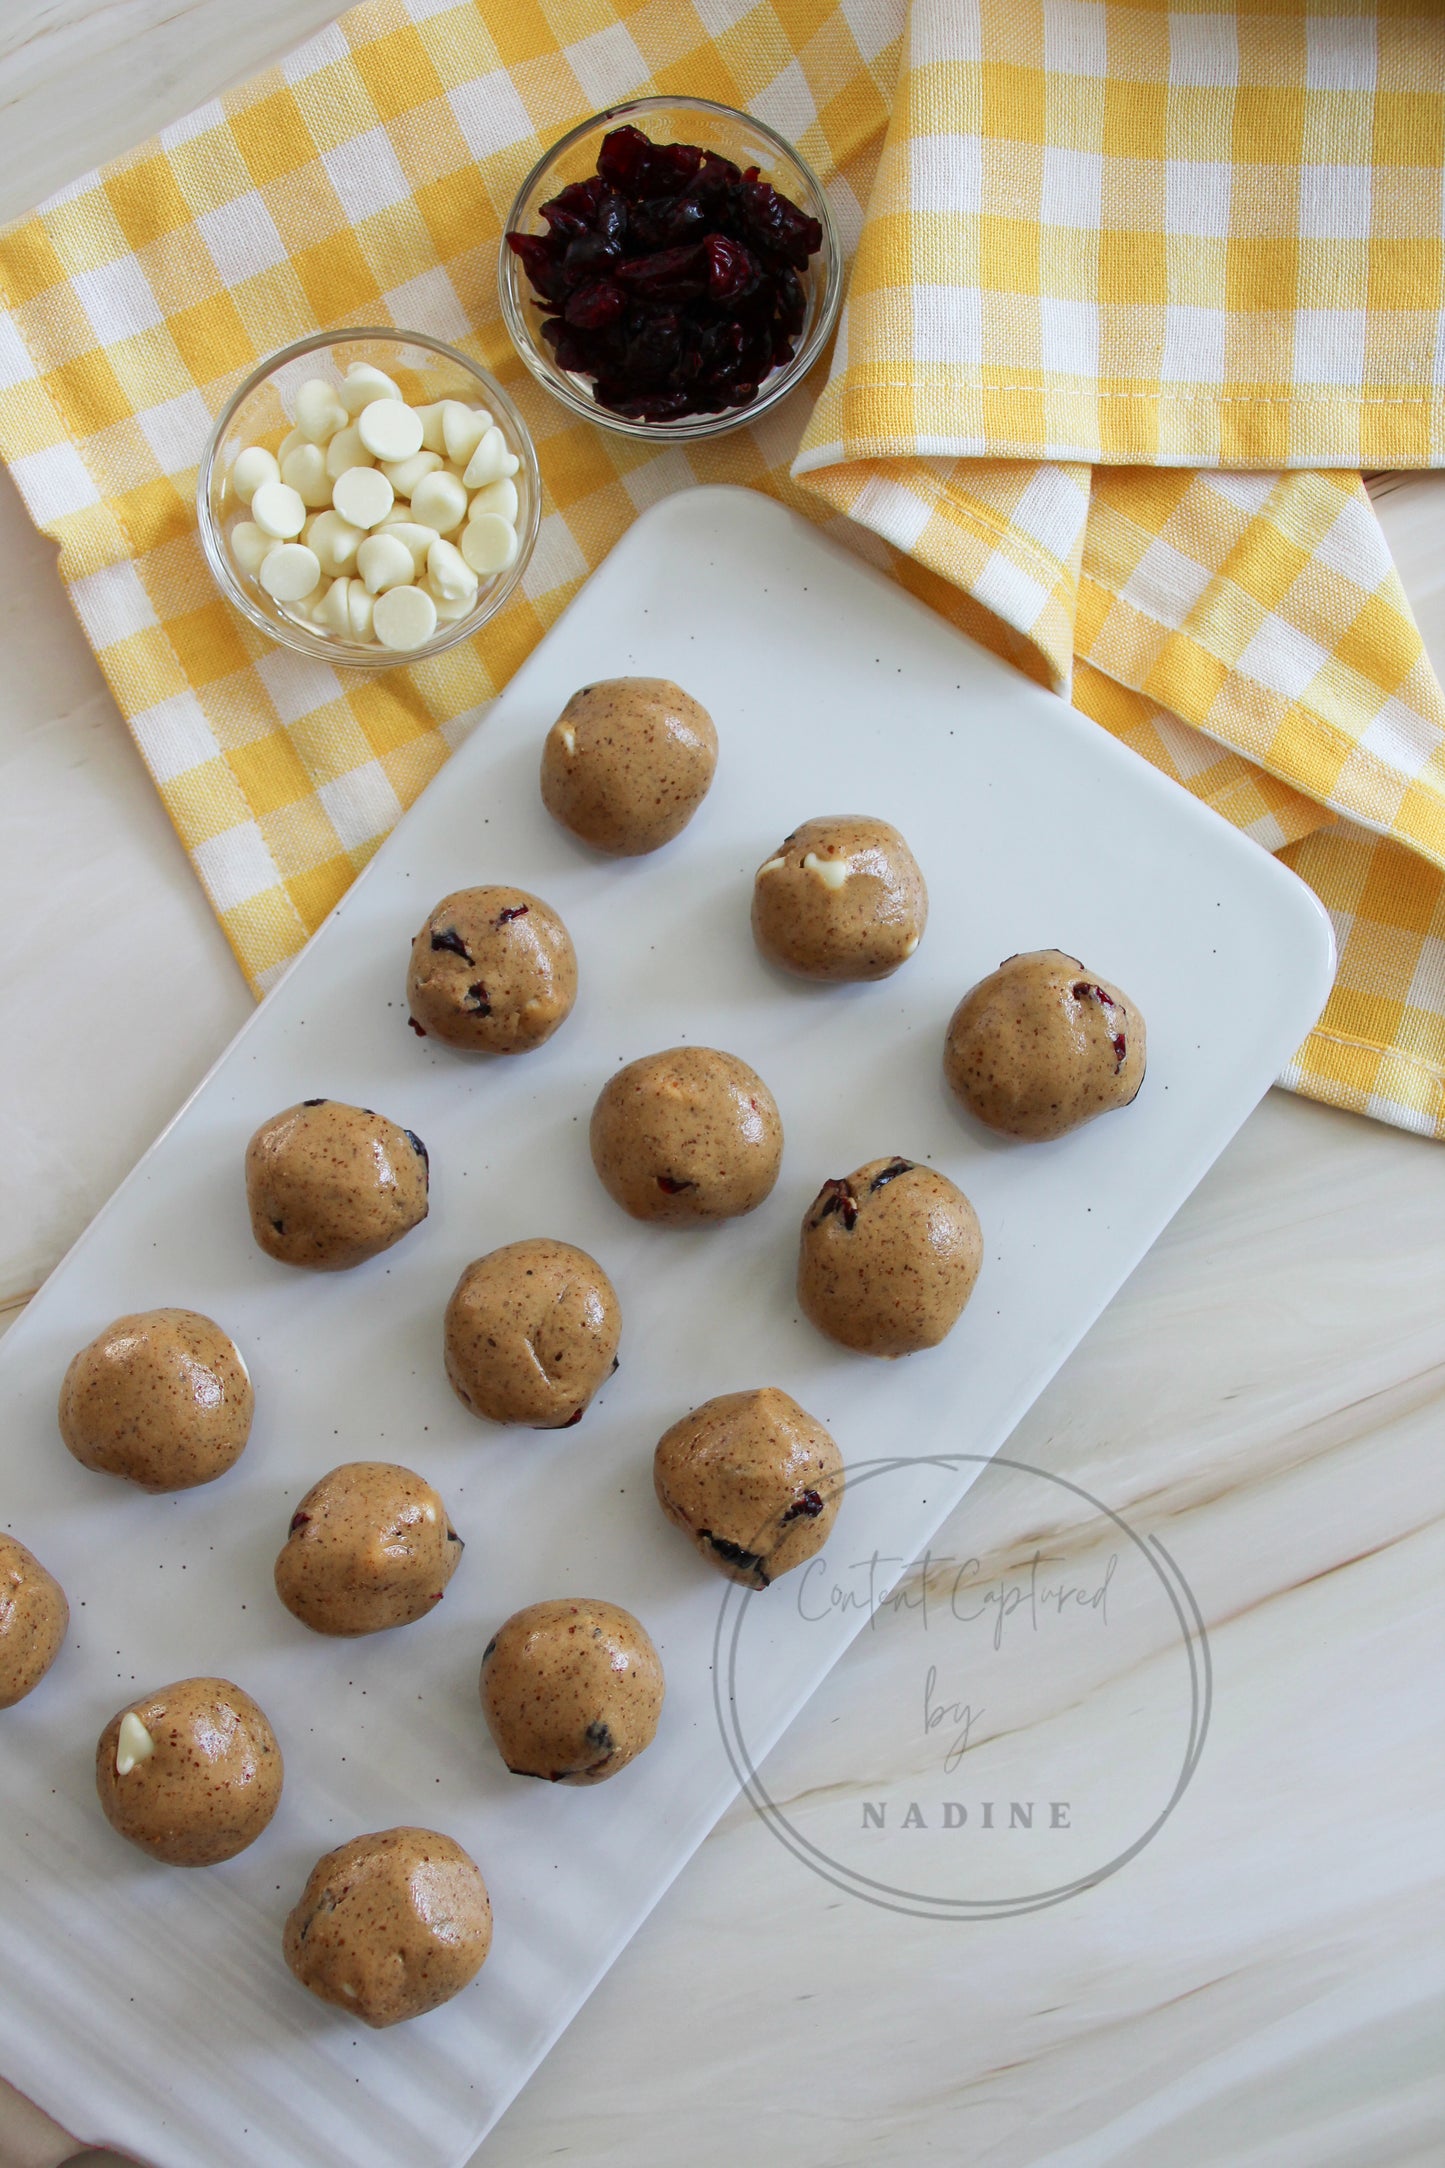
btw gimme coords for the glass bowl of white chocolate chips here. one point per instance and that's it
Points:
(369, 497)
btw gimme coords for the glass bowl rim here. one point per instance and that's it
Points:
(322, 646)
(690, 426)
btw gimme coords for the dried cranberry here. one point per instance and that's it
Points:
(730, 269)
(574, 1417)
(625, 160)
(451, 940)
(419, 1029)
(417, 1146)
(835, 1196)
(1119, 1052)
(476, 1000)
(313, 1102)
(807, 1502)
(542, 267)
(891, 1172)
(298, 1520)
(671, 1186)
(1093, 993)
(513, 910)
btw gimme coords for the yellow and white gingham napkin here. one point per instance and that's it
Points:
(1099, 234)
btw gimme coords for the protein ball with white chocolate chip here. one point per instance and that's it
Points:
(369, 1547)
(34, 1616)
(841, 898)
(493, 971)
(1043, 1045)
(390, 1925)
(686, 1135)
(888, 1258)
(161, 1398)
(627, 763)
(571, 1690)
(330, 1185)
(752, 1480)
(191, 1773)
(531, 1333)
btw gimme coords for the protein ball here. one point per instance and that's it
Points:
(841, 898)
(161, 1398)
(330, 1185)
(492, 971)
(369, 1547)
(686, 1135)
(752, 1480)
(627, 763)
(390, 1926)
(571, 1690)
(191, 1773)
(888, 1258)
(34, 1616)
(531, 1333)
(1043, 1045)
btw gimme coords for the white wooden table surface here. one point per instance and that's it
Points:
(1261, 1988)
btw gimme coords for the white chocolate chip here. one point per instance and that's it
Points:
(488, 462)
(319, 412)
(335, 542)
(449, 612)
(305, 471)
(511, 465)
(449, 577)
(363, 496)
(568, 736)
(439, 501)
(415, 538)
(404, 617)
(288, 445)
(346, 450)
(772, 866)
(463, 428)
(277, 510)
(911, 944)
(253, 467)
(390, 429)
(488, 544)
(832, 872)
(431, 426)
(384, 562)
(362, 384)
(429, 1512)
(359, 608)
(290, 572)
(404, 474)
(499, 497)
(133, 1745)
(250, 545)
(332, 613)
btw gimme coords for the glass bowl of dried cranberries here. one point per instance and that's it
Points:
(670, 269)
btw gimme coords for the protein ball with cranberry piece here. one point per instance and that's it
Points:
(330, 1185)
(1043, 1045)
(571, 1690)
(627, 763)
(191, 1773)
(686, 1135)
(34, 1617)
(390, 1925)
(841, 898)
(493, 971)
(752, 1480)
(888, 1258)
(531, 1333)
(161, 1398)
(370, 1546)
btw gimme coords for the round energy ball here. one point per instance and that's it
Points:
(330, 1185)
(627, 763)
(391, 1925)
(369, 1547)
(161, 1398)
(34, 1616)
(571, 1690)
(840, 898)
(493, 971)
(191, 1773)
(888, 1258)
(690, 1134)
(531, 1333)
(1043, 1045)
(752, 1480)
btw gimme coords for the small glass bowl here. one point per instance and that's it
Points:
(262, 410)
(747, 142)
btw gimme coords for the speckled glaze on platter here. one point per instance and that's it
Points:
(1033, 829)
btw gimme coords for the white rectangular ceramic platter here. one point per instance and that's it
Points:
(150, 2007)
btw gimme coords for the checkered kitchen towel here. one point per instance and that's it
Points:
(1098, 235)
